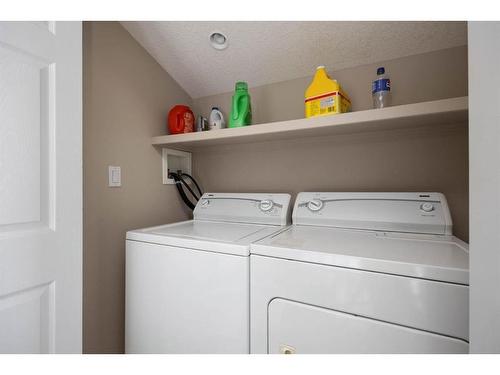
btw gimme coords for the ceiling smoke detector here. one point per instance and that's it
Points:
(218, 40)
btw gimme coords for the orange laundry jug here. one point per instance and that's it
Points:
(180, 120)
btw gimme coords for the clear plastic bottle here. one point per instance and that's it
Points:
(381, 89)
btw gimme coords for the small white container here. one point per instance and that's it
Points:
(216, 119)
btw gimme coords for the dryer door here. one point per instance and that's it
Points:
(300, 328)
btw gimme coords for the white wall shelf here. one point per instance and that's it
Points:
(434, 113)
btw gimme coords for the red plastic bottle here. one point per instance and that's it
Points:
(180, 120)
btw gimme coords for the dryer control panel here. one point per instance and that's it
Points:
(393, 212)
(257, 208)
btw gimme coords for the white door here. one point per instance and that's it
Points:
(40, 187)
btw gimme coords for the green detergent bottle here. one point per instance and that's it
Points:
(241, 109)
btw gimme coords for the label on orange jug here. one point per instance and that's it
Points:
(188, 122)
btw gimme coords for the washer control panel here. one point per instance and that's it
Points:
(395, 212)
(427, 207)
(266, 205)
(259, 208)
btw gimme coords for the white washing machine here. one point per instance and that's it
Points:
(361, 273)
(187, 284)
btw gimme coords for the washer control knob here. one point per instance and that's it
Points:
(205, 203)
(315, 205)
(427, 207)
(266, 205)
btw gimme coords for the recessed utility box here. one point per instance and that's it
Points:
(175, 160)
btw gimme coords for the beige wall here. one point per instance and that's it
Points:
(404, 160)
(126, 99)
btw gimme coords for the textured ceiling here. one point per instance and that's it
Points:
(266, 52)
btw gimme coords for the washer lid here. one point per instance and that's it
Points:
(434, 257)
(222, 237)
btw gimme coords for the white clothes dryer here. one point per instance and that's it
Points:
(361, 273)
(187, 284)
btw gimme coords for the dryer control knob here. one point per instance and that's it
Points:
(315, 205)
(427, 207)
(205, 203)
(266, 205)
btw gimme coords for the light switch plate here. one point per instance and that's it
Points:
(114, 176)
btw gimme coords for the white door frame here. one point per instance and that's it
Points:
(484, 185)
